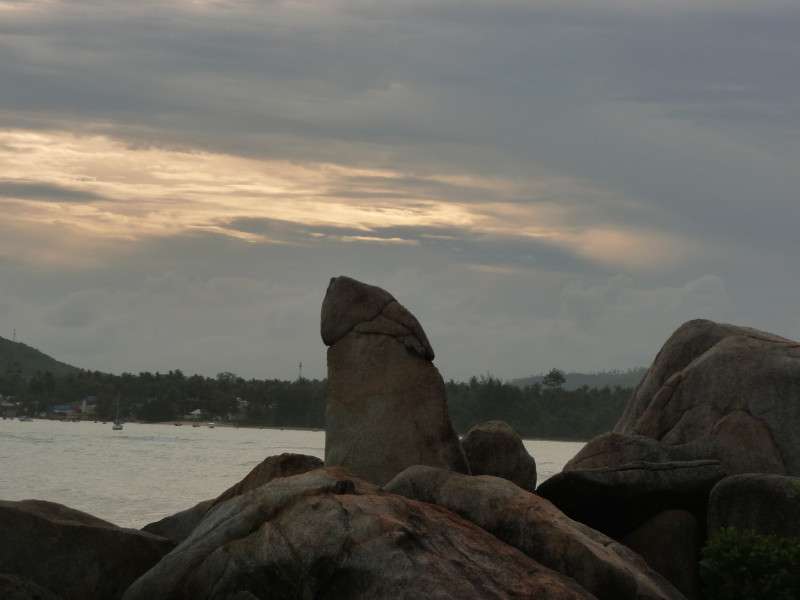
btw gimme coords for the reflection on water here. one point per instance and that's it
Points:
(145, 472)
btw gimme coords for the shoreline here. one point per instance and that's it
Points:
(228, 425)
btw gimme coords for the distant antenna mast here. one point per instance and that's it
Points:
(300, 371)
(14, 335)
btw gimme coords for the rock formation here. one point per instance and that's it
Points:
(73, 554)
(494, 448)
(732, 391)
(605, 568)
(617, 500)
(717, 400)
(177, 527)
(325, 535)
(16, 588)
(766, 504)
(386, 404)
(670, 543)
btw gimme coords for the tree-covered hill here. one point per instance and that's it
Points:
(629, 378)
(21, 360)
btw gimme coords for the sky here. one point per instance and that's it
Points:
(543, 183)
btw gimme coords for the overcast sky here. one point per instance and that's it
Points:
(543, 183)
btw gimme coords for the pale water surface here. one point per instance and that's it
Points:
(145, 472)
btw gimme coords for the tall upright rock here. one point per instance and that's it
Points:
(386, 404)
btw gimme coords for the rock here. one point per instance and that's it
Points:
(494, 448)
(670, 543)
(617, 500)
(386, 403)
(351, 305)
(325, 535)
(732, 389)
(607, 569)
(177, 527)
(15, 588)
(616, 449)
(766, 504)
(73, 553)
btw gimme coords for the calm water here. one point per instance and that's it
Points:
(145, 472)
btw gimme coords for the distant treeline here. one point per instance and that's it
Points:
(535, 411)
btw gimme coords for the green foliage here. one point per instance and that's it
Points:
(20, 360)
(554, 379)
(535, 411)
(743, 565)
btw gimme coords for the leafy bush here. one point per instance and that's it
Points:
(743, 565)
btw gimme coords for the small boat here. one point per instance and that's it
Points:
(178, 424)
(211, 424)
(25, 419)
(195, 424)
(117, 426)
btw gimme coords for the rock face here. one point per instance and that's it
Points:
(617, 500)
(766, 504)
(74, 554)
(177, 527)
(494, 448)
(15, 588)
(732, 391)
(670, 543)
(607, 569)
(325, 535)
(386, 404)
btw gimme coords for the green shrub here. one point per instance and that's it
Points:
(743, 565)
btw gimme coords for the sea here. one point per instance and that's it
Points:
(148, 471)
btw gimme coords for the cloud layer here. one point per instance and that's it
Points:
(543, 183)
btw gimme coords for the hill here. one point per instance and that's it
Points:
(16, 355)
(625, 379)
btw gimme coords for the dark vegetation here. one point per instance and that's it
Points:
(743, 565)
(534, 411)
(545, 409)
(572, 381)
(25, 361)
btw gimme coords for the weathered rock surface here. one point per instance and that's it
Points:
(494, 448)
(735, 391)
(325, 535)
(386, 404)
(617, 500)
(616, 449)
(766, 504)
(15, 588)
(670, 543)
(177, 527)
(526, 521)
(72, 553)
(351, 305)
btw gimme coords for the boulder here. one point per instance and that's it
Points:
(494, 448)
(177, 527)
(15, 588)
(617, 449)
(74, 554)
(732, 390)
(766, 504)
(670, 543)
(607, 569)
(326, 535)
(617, 500)
(386, 404)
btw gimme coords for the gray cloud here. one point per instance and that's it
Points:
(678, 118)
(44, 192)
